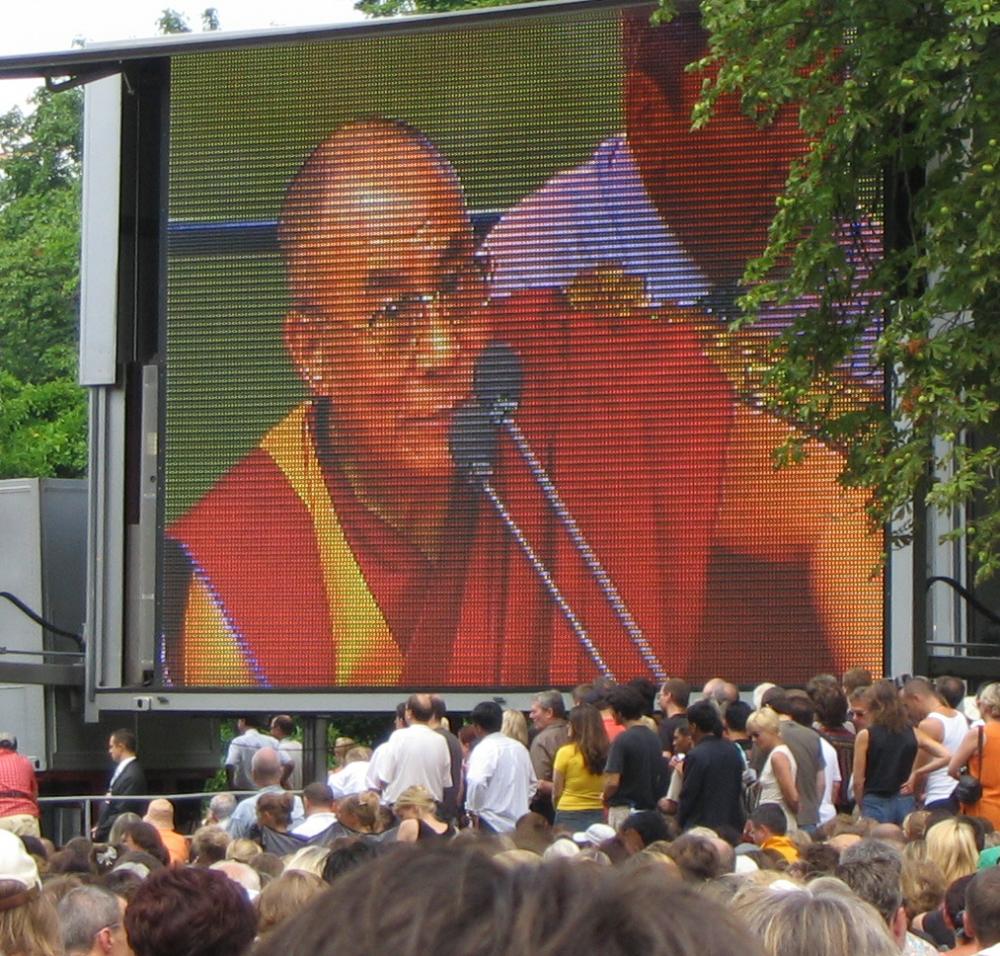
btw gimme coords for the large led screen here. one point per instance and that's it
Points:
(451, 398)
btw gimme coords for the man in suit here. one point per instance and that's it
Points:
(127, 780)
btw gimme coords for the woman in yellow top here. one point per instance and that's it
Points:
(577, 774)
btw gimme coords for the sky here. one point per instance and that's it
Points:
(48, 25)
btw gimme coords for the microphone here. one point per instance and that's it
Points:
(473, 444)
(496, 383)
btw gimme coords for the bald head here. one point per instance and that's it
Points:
(265, 768)
(369, 177)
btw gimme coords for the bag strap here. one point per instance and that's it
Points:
(979, 750)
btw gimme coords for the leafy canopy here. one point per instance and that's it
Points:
(902, 93)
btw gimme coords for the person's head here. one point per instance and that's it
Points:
(547, 706)
(854, 678)
(7, 740)
(340, 748)
(122, 822)
(703, 719)
(487, 717)
(387, 293)
(885, 709)
(734, 718)
(626, 703)
(274, 810)
(767, 821)
(208, 845)
(308, 859)
(919, 698)
(587, 731)
(951, 690)
(764, 729)
(91, 920)
(696, 858)
(676, 163)
(282, 726)
(988, 701)
(801, 710)
(243, 850)
(317, 798)
(873, 869)
(982, 907)
(951, 844)
(359, 811)
(196, 911)
(265, 767)
(642, 828)
(160, 813)
(414, 802)
(357, 754)
(221, 807)
(683, 741)
(121, 745)
(515, 725)
(419, 709)
(284, 898)
(858, 710)
(439, 708)
(244, 875)
(144, 837)
(674, 695)
(831, 705)
(346, 855)
(821, 918)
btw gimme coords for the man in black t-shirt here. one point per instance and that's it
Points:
(673, 700)
(635, 776)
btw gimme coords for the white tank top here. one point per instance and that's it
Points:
(939, 784)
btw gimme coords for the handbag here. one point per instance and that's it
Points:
(969, 788)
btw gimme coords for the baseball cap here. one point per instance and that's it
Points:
(8, 740)
(595, 834)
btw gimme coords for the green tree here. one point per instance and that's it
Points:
(902, 93)
(42, 410)
(393, 8)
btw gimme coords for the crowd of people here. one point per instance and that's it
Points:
(819, 821)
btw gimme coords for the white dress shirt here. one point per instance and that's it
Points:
(500, 781)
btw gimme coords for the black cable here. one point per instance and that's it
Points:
(968, 595)
(38, 619)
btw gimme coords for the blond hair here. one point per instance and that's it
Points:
(765, 720)
(951, 844)
(418, 797)
(515, 726)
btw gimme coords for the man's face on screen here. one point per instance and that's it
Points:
(388, 297)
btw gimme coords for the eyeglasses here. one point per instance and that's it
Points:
(462, 288)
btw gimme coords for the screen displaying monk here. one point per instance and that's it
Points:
(493, 446)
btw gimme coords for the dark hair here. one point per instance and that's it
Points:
(954, 901)
(284, 723)
(590, 736)
(950, 689)
(195, 911)
(124, 738)
(627, 702)
(771, 816)
(648, 691)
(147, 838)
(801, 710)
(735, 715)
(831, 706)
(704, 715)
(488, 716)
(457, 899)
(873, 869)
(421, 707)
(854, 678)
(648, 824)
(982, 905)
(318, 793)
(439, 706)
(345, 856)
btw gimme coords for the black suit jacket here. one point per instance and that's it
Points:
(130, 782)
(713, 784)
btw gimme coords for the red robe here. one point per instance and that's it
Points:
(631, 420)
